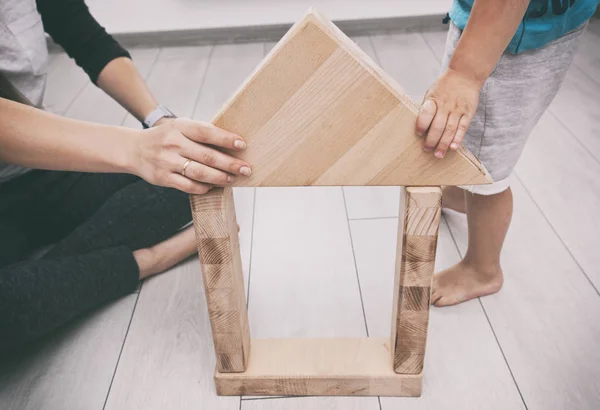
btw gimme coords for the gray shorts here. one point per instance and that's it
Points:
(512, 101)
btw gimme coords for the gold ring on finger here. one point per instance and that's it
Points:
(185, 165)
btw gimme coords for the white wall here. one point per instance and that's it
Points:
(131, 16)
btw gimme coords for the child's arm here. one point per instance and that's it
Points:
(451, 102)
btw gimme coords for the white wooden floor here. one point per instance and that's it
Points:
(319, 262)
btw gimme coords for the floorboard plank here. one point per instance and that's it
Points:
(93, 104)
(312, 403)
(588, 56)
(176, 78)
(169, 349)
(398, 54)
(70, 369)
(303, 275)
(64, 82)
(546, 315)
(464, 367)
(436, 40)
(562, 178)
(576, 107)
(230, 65)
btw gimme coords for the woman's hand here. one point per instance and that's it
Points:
(447, 111)
(161, 154)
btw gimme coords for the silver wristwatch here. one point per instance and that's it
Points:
(159, 112)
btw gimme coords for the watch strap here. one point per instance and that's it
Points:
(159, 112)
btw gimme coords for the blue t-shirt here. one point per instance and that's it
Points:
(544, 21)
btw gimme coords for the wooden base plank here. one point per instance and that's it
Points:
(319, 367)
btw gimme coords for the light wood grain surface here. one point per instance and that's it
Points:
(221, 262)
(317, 108)
(419, 211)
(320, 367)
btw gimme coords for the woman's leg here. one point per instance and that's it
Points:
(132, 234)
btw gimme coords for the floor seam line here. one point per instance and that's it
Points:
(362, 303)
(251, 247)
(557, 234)
(204, 75)
(489, 321)
(123, 346)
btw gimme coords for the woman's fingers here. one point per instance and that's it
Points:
(215, 159)
(206, 133)
(201, 173)
(187, 185)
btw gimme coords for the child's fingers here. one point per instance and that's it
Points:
(448, 135)
(461, 131)
(425, 117)
(436, 130)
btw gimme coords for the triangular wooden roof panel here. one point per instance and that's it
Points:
(318, 112)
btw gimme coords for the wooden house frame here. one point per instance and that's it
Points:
(318, 112)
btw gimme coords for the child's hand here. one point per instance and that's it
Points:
(448, 108)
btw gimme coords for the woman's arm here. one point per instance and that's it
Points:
(109, 65)
(122, 81)
(34, 138)
(451, 102)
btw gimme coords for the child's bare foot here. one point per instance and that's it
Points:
(462, 282)
(454, 198)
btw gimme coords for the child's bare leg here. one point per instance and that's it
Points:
(454, 198)
(167, 254)
(479, 273)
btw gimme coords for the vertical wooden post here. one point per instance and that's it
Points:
(418, 226)
(219, 252)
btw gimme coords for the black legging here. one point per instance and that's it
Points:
(95, 221)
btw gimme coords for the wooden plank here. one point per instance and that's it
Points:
(219, 251)
(420, 210)
(318, 99)
(553, 333)
(319, 367)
